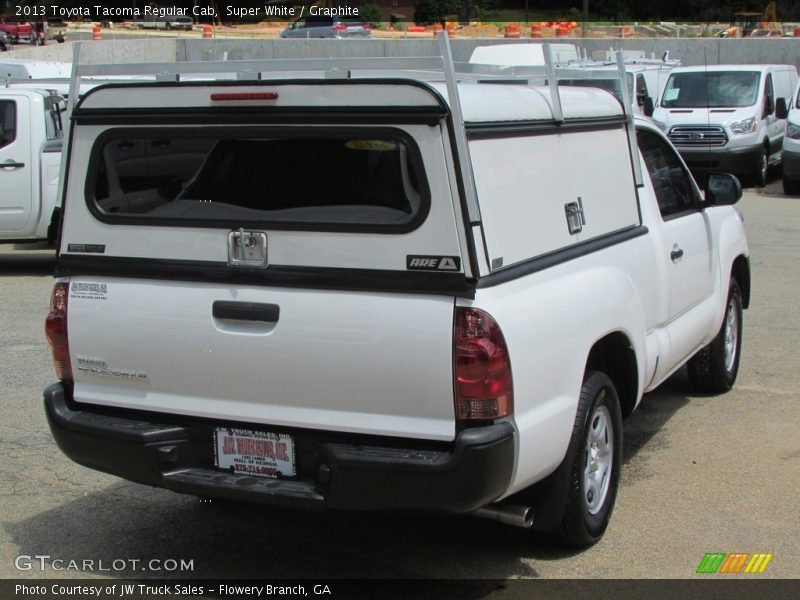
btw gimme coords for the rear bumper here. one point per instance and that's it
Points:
(396, 474)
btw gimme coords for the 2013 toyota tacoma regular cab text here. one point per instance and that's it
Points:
(376, 293)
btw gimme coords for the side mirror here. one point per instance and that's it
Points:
(781, 110)
(648, 107)
(722, 189)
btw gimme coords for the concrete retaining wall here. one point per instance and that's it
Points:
(689, 51)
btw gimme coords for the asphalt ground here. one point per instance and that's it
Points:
(701, 473)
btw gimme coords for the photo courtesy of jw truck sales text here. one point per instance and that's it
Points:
(441, 318)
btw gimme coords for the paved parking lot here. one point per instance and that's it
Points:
(701, 474)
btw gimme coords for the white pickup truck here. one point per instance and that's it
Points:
(30, 158)
(388, 292)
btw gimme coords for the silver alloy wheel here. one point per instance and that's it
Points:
(764, 167)
(731, 335)
(599, 457)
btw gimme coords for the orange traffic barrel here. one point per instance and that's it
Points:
(562, 31)
(513, 31)
(536, 30)
(437, 27)
(207, 32)
(96, 35)
(451, 30)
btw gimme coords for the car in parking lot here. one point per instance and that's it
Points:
(766, 33)
(323, 26)
(168, 22)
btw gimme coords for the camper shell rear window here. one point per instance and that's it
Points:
(363, 179)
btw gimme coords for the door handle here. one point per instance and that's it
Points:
(11, 164)
(246, 311)
(676, 254)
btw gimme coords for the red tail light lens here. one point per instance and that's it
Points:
(340, 27)
(366, 26)
(484, 389)
(55, 328)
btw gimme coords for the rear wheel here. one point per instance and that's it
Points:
(714, 368)
(596, 453)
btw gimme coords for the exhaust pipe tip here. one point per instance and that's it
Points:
(508, 514)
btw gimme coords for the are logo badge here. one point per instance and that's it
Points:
(433, 263)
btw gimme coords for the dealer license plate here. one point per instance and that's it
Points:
(257, 453)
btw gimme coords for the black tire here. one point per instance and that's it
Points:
(791, 187)
(761, 171)
(599, 416)
(714, 368)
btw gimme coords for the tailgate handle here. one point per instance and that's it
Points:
(246, 311)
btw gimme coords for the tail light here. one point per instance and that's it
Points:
(484, 389)
(366, 26)
(55, 328)
(340, 27)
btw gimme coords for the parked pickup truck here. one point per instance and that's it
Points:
(30, 158)
(382, 293)
(17, 31)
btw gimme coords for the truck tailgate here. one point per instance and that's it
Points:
(375, 363)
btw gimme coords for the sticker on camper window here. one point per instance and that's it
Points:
(671, 94)
(380, 145)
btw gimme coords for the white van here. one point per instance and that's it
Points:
(790, 159)
(722, 117)
(522, 55)
(646, 81)
(646, 76)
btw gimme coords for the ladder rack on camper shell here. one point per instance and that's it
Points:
(435, 68)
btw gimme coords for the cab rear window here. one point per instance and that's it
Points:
(352, 180)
